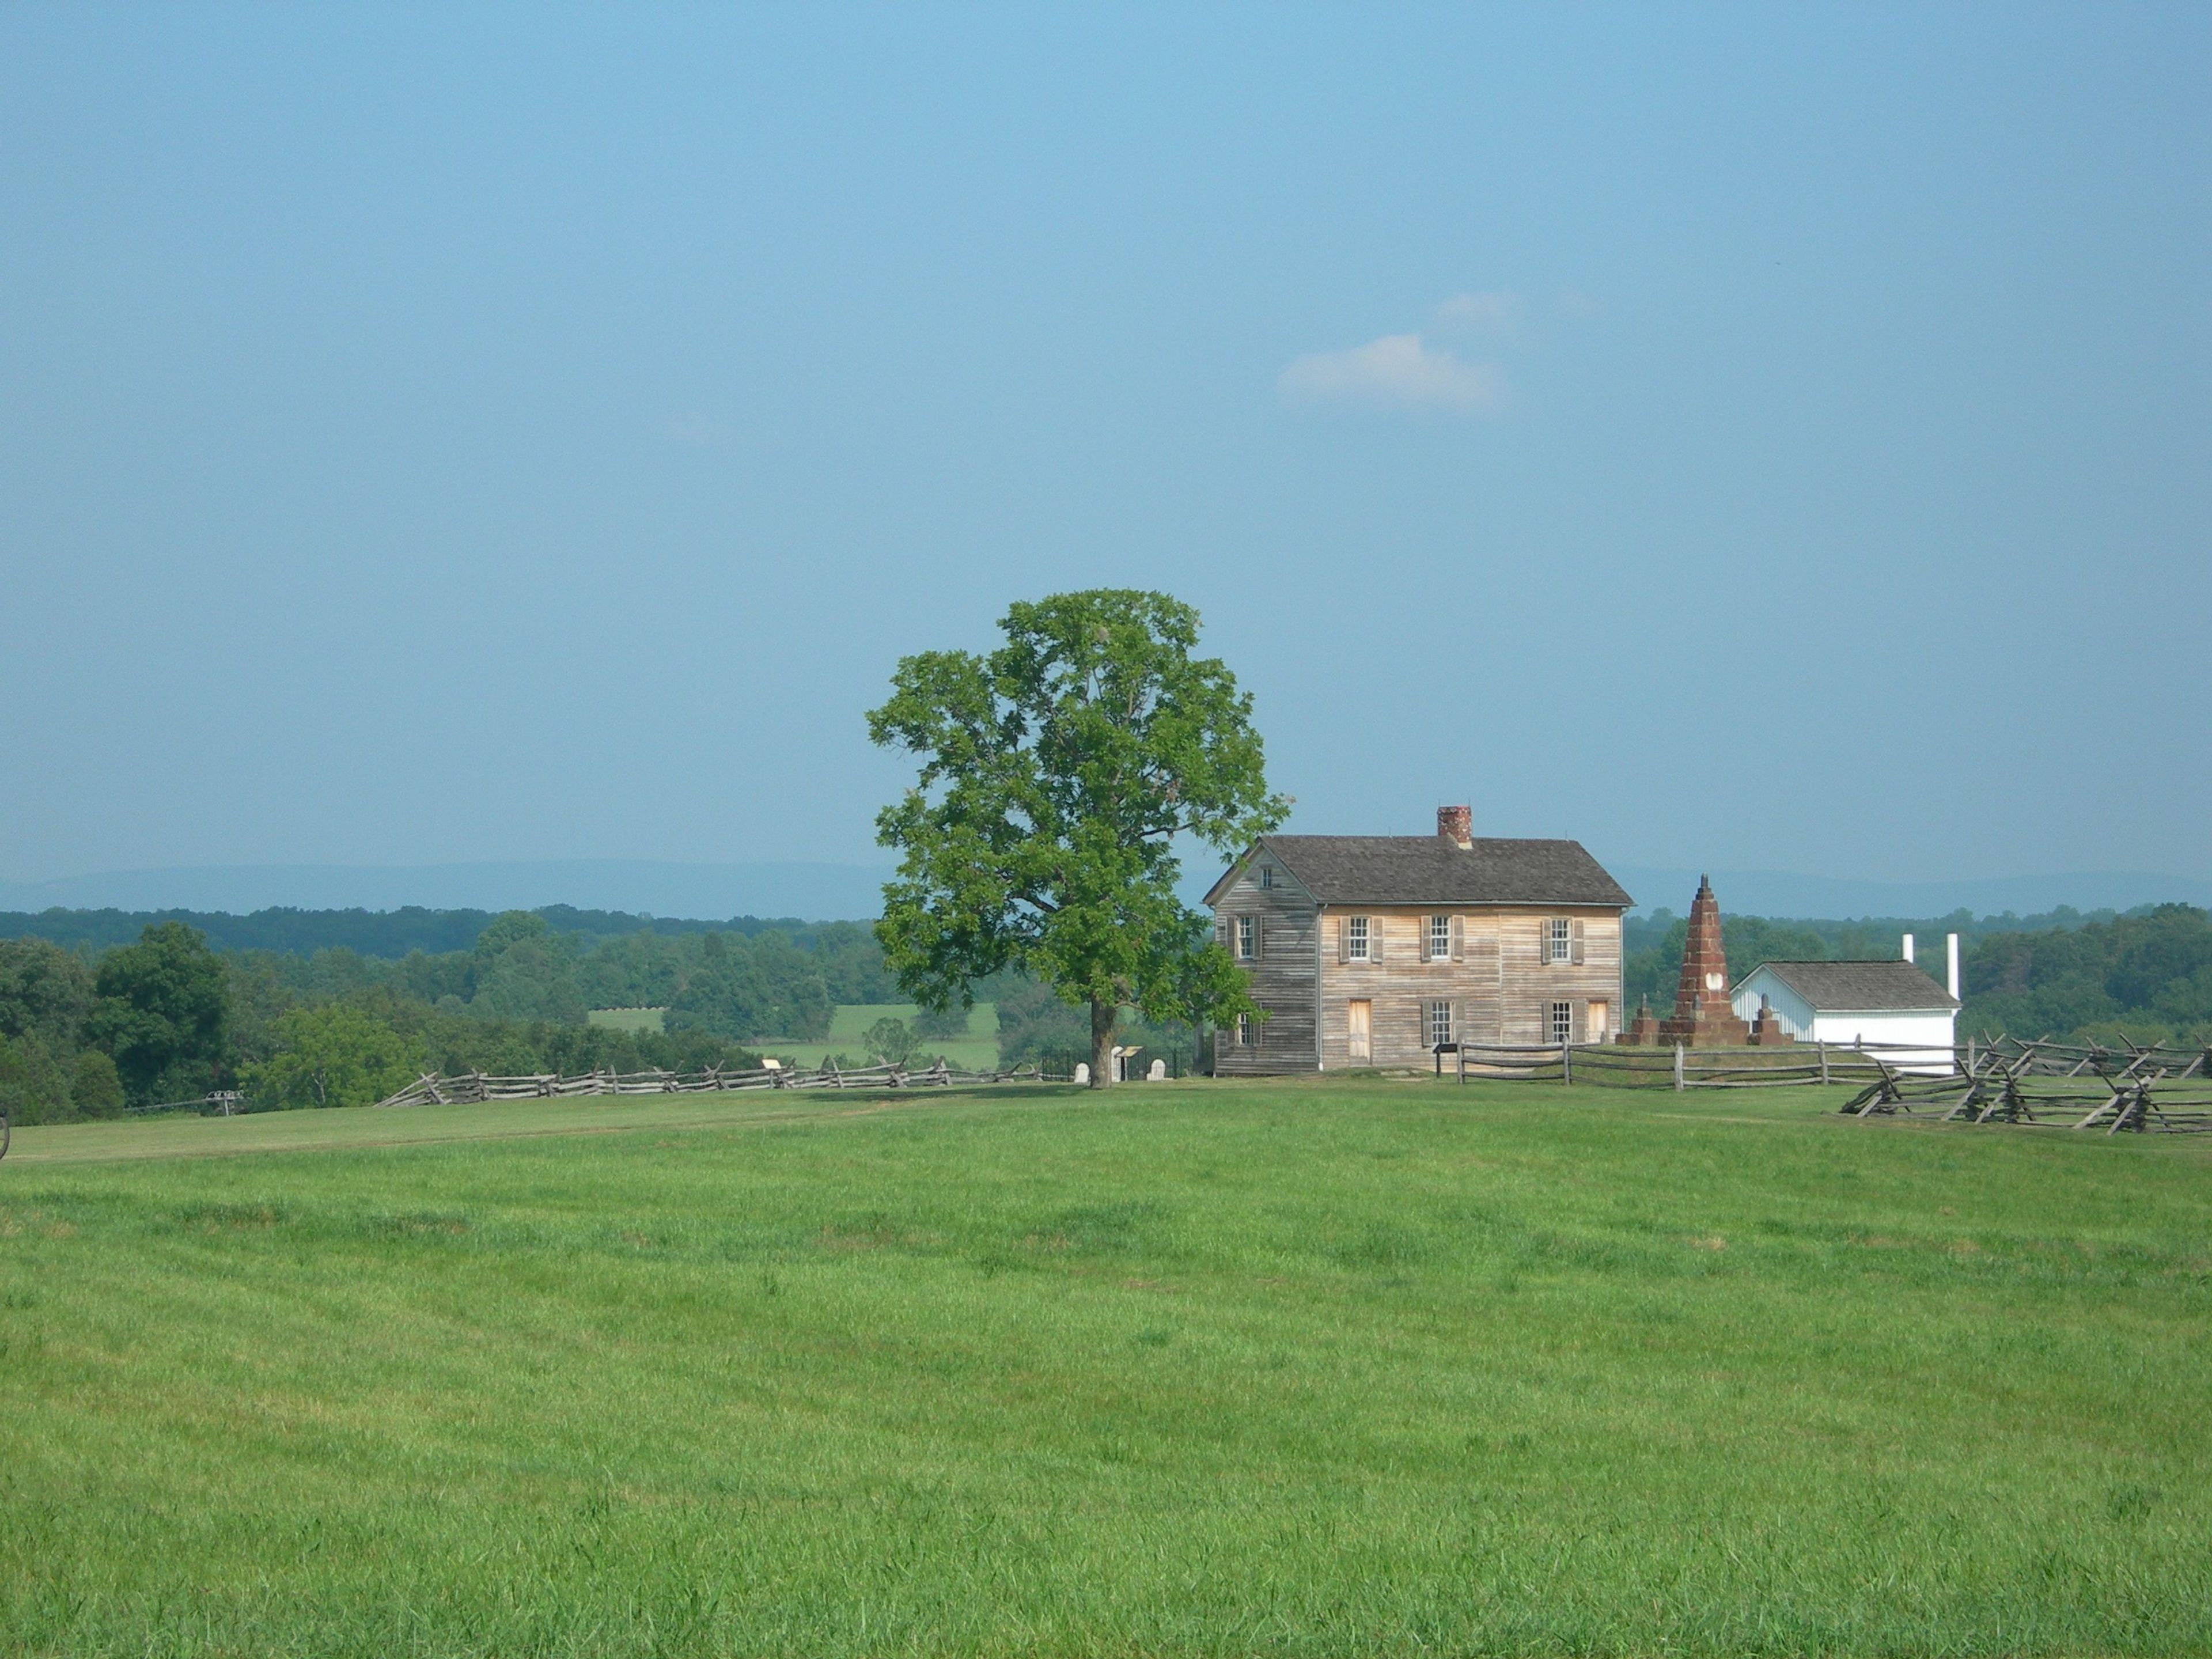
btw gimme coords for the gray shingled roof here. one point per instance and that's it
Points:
(1859, 986)
(1432, 870)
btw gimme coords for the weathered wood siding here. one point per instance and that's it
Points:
(1531, 984)
(1282, 978)
(1500, 987)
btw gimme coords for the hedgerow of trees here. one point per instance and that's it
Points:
(166, 1017)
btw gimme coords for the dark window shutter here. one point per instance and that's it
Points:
(1375, 939)
(1259, 937)
(1544, 939)
(1344, 939)
(1576, 935)
(1221, 930)
(1424, 938)
(1458, 954)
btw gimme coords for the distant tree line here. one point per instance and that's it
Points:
(2145, 976)
(166, 1017)
(385, 934)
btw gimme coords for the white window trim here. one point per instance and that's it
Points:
(1248, 938)
(1359, 939)
(1439, 939)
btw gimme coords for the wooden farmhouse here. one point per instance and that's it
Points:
(1372, 950)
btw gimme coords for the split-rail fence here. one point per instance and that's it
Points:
(2160, 1089)
(472, 1087)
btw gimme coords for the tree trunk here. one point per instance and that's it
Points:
(1102, 1042)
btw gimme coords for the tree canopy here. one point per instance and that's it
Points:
(1057, 773)
(161, 1010)
(334, 1056)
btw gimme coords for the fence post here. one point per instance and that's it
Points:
(1566, 1062)
(1824, 1065)
(1678, 1068)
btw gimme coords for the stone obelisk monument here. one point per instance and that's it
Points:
(1702, 1017)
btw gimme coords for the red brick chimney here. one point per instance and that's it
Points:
(1456, 824)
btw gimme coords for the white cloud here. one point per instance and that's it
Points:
(1482, 313)
(1397, 371)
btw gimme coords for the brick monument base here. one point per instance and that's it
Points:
(1643, 1031)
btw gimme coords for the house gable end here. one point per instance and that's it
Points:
(1241, 870)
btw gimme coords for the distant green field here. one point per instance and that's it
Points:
(977, 1051)
(1315, 1367)
(626, 1019)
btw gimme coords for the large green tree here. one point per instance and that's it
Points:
(743, 989)
(524, 970)
(45, 991)
(333, 1056)
(1057, 773)
(162, 1009)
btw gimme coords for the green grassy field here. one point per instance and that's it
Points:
(626, 1019)
(978, 1051)
(1309, 1368)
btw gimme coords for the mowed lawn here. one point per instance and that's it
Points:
(1308, 1368)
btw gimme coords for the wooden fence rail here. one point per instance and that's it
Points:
(1681, 1068)
(2160, 1088)
(2156, 1090)
(473, 1087)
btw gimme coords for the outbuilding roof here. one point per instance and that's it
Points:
(1437, 870)
(1859, 986)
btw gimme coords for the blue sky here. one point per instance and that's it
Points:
(1759, 438)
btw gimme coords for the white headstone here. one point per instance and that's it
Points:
(1158, 1073)
(1082, 1072)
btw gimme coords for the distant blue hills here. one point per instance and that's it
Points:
(813, 892)
(1780, 893)
(829, 892)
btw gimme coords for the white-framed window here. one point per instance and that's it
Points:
(1355, 938)
(1439, 1023)
(1563, 939)
(1439, 939)
(1267, 875)
(1246, 1029)
(1247, 938)
(1562, 1022)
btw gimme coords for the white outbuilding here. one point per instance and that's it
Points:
(1891, 1005)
